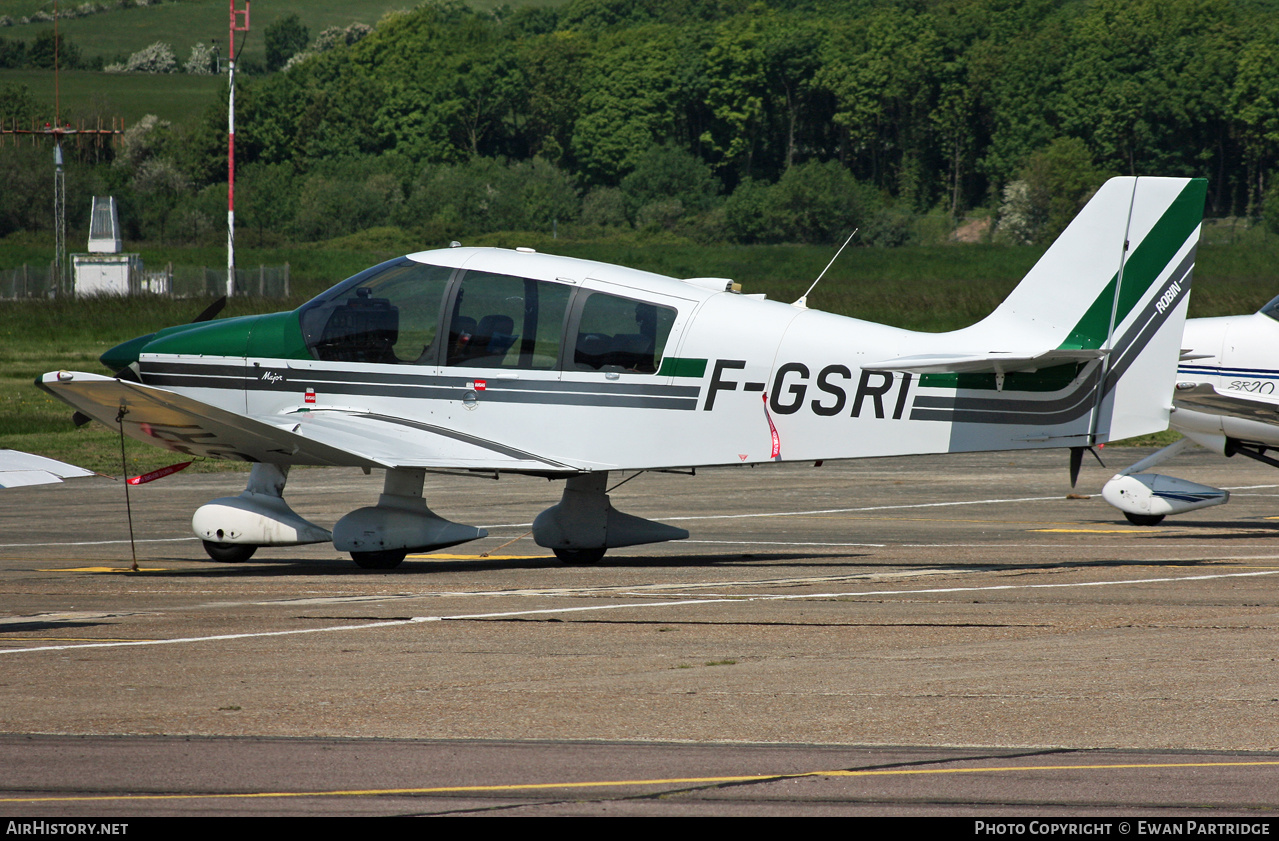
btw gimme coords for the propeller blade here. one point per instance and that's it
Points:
(1097, 455)
(211, 311)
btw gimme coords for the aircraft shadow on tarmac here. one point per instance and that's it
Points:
(262, 567)
(784, 563)
(49, 625)
(1219, 530)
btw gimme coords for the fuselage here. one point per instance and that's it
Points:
(589, 366)
(1236, 354)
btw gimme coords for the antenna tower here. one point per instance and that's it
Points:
(239, 23)
(57, 130)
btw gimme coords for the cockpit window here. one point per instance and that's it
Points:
(499, 321)
(1271, 309)
(388, 314)
(620, 334)
(406, 312)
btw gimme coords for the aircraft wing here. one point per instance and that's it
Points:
(348, 437)
(992, 362)
(1205, 397)
(403, 442)
(19, 469)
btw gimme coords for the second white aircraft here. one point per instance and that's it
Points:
(1225, 400)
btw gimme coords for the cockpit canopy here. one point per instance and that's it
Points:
(406, 312)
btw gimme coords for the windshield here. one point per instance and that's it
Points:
(388, 314)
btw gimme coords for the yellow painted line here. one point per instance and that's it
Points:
(622, 783)
(68, 639)
(105, 569)
(933, 520)
(1097, 531)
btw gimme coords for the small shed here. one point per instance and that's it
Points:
(105, 270)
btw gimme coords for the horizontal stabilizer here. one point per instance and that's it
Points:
(993, 362)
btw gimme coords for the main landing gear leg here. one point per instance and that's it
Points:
(380, 536)
(233, 527)
(585, 524)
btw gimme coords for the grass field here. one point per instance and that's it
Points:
(174, 97)
(124, 31)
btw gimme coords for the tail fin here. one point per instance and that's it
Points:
(1085, 349)
(1133, 235)
(1118, 280)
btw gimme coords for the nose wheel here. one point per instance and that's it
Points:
(579, 557)
(386, 559)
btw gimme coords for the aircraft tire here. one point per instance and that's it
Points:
(386, 559)
(580, 557)
(1144, 519)
(229, 553)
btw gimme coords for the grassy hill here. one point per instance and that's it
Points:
(180, 24)
(177, 97)
(119, 32)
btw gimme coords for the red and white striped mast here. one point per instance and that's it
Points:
(239, 23)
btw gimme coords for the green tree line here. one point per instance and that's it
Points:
(731, 120)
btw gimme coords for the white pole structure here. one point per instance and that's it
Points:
(59, 180)
(236, 26)
(60, 286)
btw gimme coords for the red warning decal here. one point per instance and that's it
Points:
(310, 395)
(777, 440)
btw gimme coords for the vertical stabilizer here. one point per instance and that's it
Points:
(1085, 349)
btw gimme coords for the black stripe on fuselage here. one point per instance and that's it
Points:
(1080, 399)
(418, 386)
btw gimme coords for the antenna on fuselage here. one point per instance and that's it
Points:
(803, 299)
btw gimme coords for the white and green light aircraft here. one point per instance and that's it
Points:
(1225, 401)
(500, 361)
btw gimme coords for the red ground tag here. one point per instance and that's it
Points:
(777, 439)
(159, 474)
